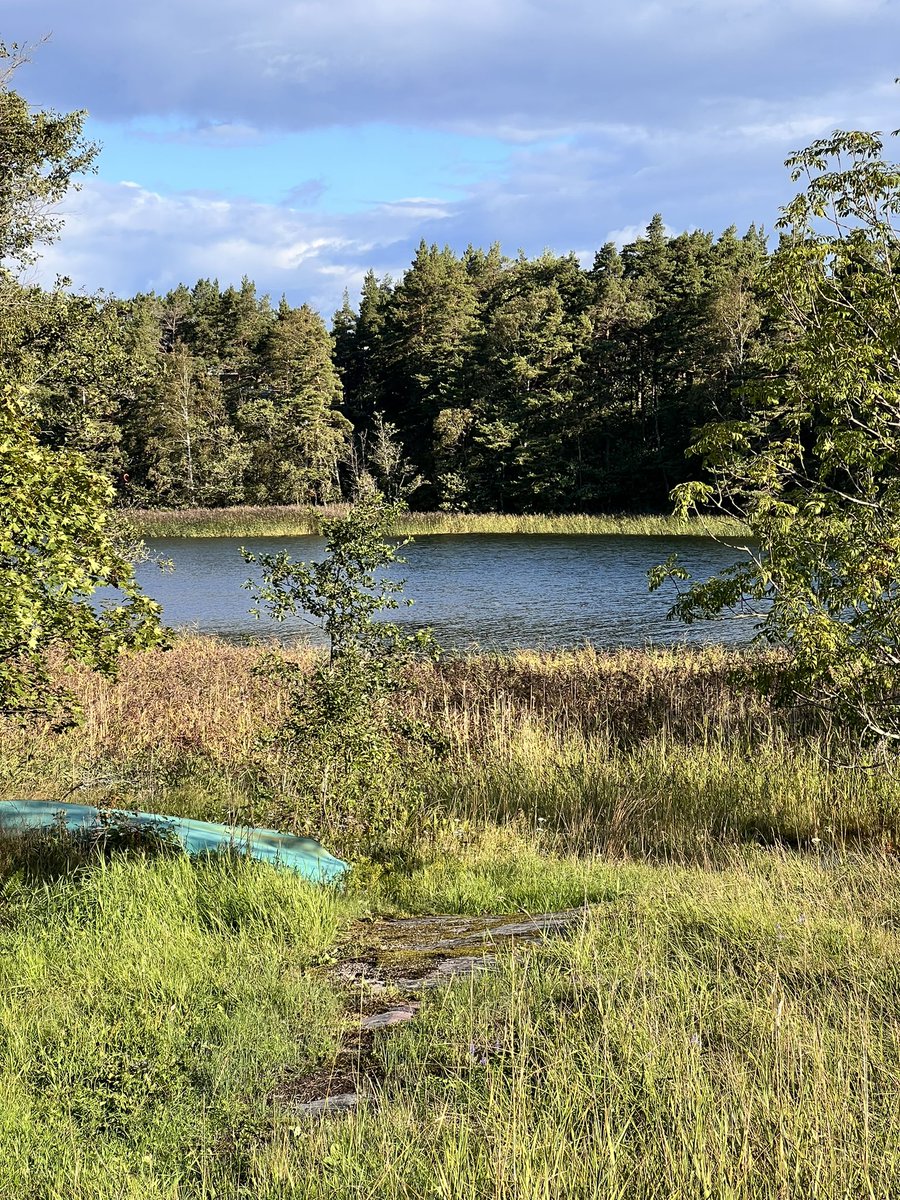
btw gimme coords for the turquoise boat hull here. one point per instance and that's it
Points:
(303, 855)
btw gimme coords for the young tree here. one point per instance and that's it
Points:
(55, 552)
(349, 747)
(341, 594)
(377, 463)
(813, 465)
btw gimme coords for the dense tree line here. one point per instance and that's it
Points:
(535, 385)
(475, 381)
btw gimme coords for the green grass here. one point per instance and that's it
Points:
(660, 799)
(727, 1032)
(666, 799)
(146, 1009)
(294, 520)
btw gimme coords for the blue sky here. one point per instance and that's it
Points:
(340, 168)
(303, 141)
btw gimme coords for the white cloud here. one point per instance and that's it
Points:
(630, 233)
(611, 110)
(523, 68)
(124, 238)
(207, 133)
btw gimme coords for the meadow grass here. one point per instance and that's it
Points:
(146, 1007)
(722, 1023)
(295, 520)
(726, 1032)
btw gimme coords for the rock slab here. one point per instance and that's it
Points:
(399, 958)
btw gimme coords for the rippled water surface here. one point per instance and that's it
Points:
(494, 591)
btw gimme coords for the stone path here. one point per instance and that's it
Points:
(392, 962)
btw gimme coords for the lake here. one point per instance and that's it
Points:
(496, 592)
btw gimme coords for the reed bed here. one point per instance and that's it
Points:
(629, 694)
(665, 753)
(295, 520)
(212, 696)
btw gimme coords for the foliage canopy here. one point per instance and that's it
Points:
(813, 464)
(40, 154)
(55, 552)
(56, 546)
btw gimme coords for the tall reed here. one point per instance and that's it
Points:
(667, 753)
(295, 520)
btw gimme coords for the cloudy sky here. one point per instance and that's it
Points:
(303, 141)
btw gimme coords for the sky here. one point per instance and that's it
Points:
(302, 142)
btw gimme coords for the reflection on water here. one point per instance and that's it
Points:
(494, 591)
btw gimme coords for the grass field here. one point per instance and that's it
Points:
(727, 1032)
(290, 521)
(722, 1024)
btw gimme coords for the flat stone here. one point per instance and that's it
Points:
(446, 969)
(354, 972)
(391, 1016)
(536, 927)
(455, 932)
(406, 955)
(328, 1106)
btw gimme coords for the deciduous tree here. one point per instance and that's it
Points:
(813, 465)
(41, 153)
(56, 550)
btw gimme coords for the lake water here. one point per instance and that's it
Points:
(492, 591)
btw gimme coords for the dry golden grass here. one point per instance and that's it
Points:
(667, 752)
(200, 697)
(199, 702)
(628, 694)
(212, 698)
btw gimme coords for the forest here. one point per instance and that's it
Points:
(476, 382)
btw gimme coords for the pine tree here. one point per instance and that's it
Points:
(293, 424)
(529, 359)
(429, 335)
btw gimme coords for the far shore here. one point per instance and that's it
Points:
(296, 520)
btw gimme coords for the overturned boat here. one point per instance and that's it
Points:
(303, 855)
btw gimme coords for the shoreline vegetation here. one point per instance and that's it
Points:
(298, 520)
(667, 752)
(720, 1019)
